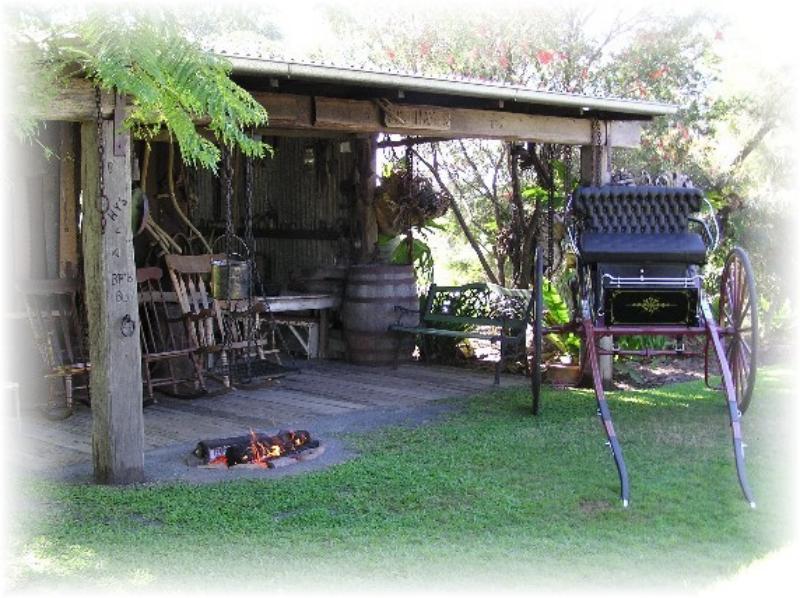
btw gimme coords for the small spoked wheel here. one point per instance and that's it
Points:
(738, 323)
(536, 361)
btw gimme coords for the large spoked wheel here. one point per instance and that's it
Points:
(738, 323)
(538, 316)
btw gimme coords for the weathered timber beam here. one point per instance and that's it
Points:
(407, 141)
(76, 103)
(112, 309)
(287, 110)
(292, 112)
(324, 116)
(360, 116)
(164, 137)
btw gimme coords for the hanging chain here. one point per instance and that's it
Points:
(227, 184)
(596, 152)
(551, 191)
(248, 217)
(256, 285)
(102, 200)
(227, 170)
(567, 188)
(250, 259)
(410, 188)
(567, 172)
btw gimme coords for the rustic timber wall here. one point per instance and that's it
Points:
(30, 245)
(302, 205)
(34, 208)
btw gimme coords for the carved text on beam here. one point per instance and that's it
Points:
(425, 119)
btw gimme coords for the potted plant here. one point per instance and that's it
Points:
(561, 352)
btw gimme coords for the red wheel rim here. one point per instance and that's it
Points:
(738, 323)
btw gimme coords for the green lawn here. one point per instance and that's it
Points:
(487, 496)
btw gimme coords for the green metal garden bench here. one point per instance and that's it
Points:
(479, 311)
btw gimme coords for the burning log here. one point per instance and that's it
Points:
(255, 448)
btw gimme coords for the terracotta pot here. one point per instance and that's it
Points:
(559, 374)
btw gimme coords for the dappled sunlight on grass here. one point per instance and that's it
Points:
(491, 492)
(45, 557)
(636, 399)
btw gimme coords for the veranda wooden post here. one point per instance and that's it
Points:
(366, 165)
(597, 157)
(110, 279)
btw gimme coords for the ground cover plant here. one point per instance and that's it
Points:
(486, 496)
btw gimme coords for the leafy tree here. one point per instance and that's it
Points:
(642, 54)
(172, 82)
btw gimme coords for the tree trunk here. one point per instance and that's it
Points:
(112, 306)
(460, 218)
(521, 278)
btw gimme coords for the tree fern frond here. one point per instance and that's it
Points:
(171, 81)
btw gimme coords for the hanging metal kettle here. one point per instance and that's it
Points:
(231, 275)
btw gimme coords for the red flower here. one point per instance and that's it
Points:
(391, 54)
(425, 48)
(719, 36)
(503, 62)
(657, 74)
(544, 57)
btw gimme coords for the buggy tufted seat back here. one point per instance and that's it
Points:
(636, 210)
(643, 223)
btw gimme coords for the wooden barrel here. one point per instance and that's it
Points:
(328, 280)
(371, 293)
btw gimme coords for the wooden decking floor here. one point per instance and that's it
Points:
(318, 389)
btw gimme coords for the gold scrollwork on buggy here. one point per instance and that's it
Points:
(651, 305)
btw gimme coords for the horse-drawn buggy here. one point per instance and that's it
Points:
(640, 253)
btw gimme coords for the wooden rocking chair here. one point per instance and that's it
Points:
(59, 331)
(208, 322)
(160, 342)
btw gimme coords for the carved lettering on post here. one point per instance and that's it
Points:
(110, 279)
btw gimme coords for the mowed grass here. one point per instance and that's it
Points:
(488, 496)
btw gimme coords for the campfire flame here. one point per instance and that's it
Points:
(255, 449)
(262, 452)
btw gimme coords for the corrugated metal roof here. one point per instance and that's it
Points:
(256, 64)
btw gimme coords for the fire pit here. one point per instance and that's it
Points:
(258, 450)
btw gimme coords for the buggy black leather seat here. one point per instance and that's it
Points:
(643, 224)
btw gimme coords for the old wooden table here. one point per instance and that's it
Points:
(282, 304)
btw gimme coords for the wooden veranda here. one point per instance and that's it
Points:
(319, 390)
(329, 111)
